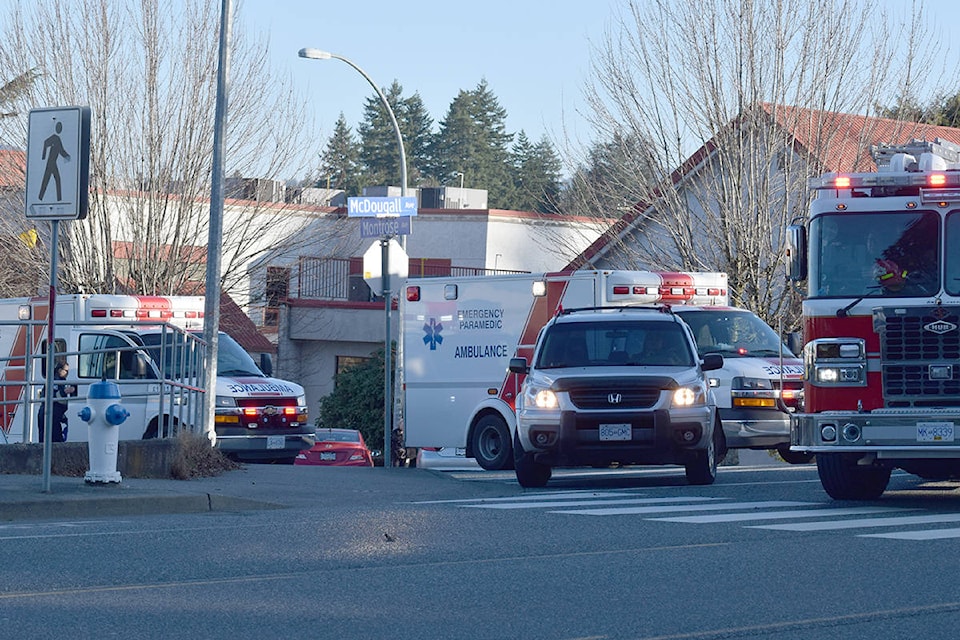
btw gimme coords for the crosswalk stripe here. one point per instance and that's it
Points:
(930, 534)
(689, 507)
(579, 503)
(777, 515)
(543, 496)
(860, 522)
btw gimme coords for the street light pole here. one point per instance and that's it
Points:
(317, 54)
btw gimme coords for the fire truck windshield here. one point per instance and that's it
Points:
(879, 254)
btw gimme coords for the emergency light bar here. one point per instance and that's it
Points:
(841, 181)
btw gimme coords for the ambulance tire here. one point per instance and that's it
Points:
(794, 457)
(843, 479)
(490, 443)
(153, 432)
(530, 473)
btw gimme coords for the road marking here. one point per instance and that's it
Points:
(765, 504)
(930, 534)
(539, 496)
(581, 503)
(861, 522)
(778, 515)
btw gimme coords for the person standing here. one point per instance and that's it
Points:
(61, 393)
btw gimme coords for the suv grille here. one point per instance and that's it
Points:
(596, 393)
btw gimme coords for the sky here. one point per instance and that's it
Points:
(534, 54)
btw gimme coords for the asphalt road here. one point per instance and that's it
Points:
(284, 551)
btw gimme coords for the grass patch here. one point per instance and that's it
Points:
(195, 458)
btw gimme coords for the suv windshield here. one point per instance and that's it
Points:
(602, 344)
(733, 333)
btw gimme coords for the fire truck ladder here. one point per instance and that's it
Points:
(882, 154)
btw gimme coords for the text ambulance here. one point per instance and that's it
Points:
(459, 333)
(152, 348)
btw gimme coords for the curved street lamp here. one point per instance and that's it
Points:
(317, 54)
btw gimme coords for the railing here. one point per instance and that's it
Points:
(342, 279)
(166, 374)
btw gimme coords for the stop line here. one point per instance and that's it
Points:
(794, 516)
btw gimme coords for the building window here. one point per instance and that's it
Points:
(345, 362)
(278, 289)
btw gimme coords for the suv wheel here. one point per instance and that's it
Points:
(703, 468)
(530, 474)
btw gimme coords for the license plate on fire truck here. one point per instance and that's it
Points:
(619, 431)
(934, 432)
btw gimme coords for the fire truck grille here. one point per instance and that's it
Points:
(920, 356)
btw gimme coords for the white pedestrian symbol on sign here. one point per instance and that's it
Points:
(52, 150)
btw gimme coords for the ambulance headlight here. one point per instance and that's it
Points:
(301, 401)
(226, 401)
(540, 397)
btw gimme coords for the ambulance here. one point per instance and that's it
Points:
(152, 347)
(458, 335)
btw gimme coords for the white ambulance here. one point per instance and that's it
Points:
(459, 333)
(152, 347)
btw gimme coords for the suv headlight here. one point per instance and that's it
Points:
(690, 396)
(540, 397)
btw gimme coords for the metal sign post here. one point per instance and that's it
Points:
(58, 174)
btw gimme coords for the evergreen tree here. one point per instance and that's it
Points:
(536, 175)
(473, 139)
(379, 155)
(339, 164)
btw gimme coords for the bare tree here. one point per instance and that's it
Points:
(708, 95)
(148, 71)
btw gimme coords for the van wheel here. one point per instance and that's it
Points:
(153, 432)
(490, 443)
(794, 457)
(530, 473)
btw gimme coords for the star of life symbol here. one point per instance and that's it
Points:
(432, 331)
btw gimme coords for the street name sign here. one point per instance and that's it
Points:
(372, 207)
(392, 226)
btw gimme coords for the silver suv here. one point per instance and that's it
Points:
(620, 386)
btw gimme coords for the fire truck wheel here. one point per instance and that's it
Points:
(490, 443)
(703, 468)
(843, 479)
(794, 457)
(530, 473)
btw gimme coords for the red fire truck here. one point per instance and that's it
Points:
(881, 256)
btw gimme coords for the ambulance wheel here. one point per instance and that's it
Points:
(530, 473)
(490, 443)
(154, 432)
(794, 457)
(843, 479)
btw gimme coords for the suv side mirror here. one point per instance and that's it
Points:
(519, 365)
(712, 362)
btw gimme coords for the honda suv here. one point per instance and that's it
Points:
(620, 386)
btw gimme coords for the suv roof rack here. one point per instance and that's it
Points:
(659, 308)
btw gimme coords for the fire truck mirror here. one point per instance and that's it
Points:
(796, 252)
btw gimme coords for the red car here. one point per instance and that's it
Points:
(337, 447)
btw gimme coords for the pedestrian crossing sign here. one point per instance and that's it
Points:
(58, 163)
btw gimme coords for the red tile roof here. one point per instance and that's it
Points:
(13, 169)
(831, 141)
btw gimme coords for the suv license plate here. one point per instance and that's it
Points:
(276, 442)
(616, 431)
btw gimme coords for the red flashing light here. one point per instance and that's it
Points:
(190, 314)
(250, 411)
(937, 180)
(413, 294)
(842, 182)
(116, 313)
(620, 290)
(98, 313)
(289, 411)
